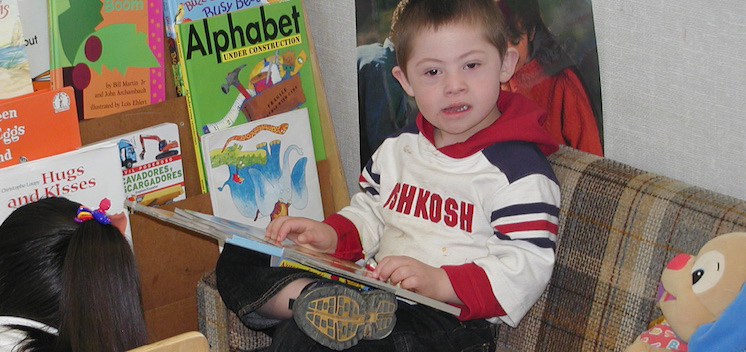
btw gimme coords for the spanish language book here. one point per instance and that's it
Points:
(151, 164)
(109, 51)
(37, 125)
(85, 175)
(178, 11)
(252, 237)
(246, 65)
(263, 169)
(15, 76)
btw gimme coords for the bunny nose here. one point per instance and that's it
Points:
(678, 261)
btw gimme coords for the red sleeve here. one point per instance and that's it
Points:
(473, 288)
(579, 127)
(348, 239)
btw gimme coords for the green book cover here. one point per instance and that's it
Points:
(246, 65)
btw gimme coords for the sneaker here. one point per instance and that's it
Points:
(338, 315)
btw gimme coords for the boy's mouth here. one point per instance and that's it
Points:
(456, 108)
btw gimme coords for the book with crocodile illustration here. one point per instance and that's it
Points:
(246, 65)
(259, 170)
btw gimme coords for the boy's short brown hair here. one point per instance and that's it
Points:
(411, 16)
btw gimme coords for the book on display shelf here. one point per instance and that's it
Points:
(246, 65)
(110, 52)
(179, 11)
(15, 75)
(152, 169)
(35, 26)
(37, 125)
(85, 175)
(262, 169)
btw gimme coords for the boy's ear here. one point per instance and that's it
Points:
(510, 59)
(402, 78)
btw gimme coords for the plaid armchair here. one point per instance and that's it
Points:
(618, 227)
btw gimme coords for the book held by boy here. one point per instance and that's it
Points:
(262, 169)
(251, 237)
(85, 175)
(37, 125)
(15, 76)
(245, 65)
(111, 52)
(151, 164)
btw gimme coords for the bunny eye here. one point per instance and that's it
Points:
(707, 271)
(696, 275)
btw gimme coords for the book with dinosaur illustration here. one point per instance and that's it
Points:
(262, 169)
(252, 238)
(152, 169)
(85, 175)
(37, 125)
(246, 65)
(15, 76)
(109, 51)
(178, 11)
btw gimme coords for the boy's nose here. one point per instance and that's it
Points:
(454, 84)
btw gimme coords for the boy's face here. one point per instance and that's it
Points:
(454, 73)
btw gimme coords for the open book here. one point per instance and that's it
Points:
(250, 237)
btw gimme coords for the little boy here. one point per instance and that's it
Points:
(461, 208)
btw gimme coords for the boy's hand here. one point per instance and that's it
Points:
(416, 276)
(308, 233)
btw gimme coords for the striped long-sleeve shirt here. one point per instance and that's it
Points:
(485, 210)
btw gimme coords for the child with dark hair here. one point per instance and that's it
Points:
(68, 280)
(546, 75)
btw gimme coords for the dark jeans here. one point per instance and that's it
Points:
(245, 282)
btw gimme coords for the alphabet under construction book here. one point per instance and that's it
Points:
(178, 11)
(252, 237)
(263, 169)
(245, 65)
(109, 51)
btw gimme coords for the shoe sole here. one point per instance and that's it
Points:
(338, 316)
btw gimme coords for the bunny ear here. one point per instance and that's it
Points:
(104, 205)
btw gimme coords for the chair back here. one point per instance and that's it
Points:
(192, 341)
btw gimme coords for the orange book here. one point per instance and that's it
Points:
(37, 125)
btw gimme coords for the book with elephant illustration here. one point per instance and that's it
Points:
(262, 169)
(245, 65)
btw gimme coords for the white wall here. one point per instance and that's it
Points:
(672, 79)
(673, 75)
(332, 25)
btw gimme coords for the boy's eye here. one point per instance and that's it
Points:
(471, 65)
(431, 72)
